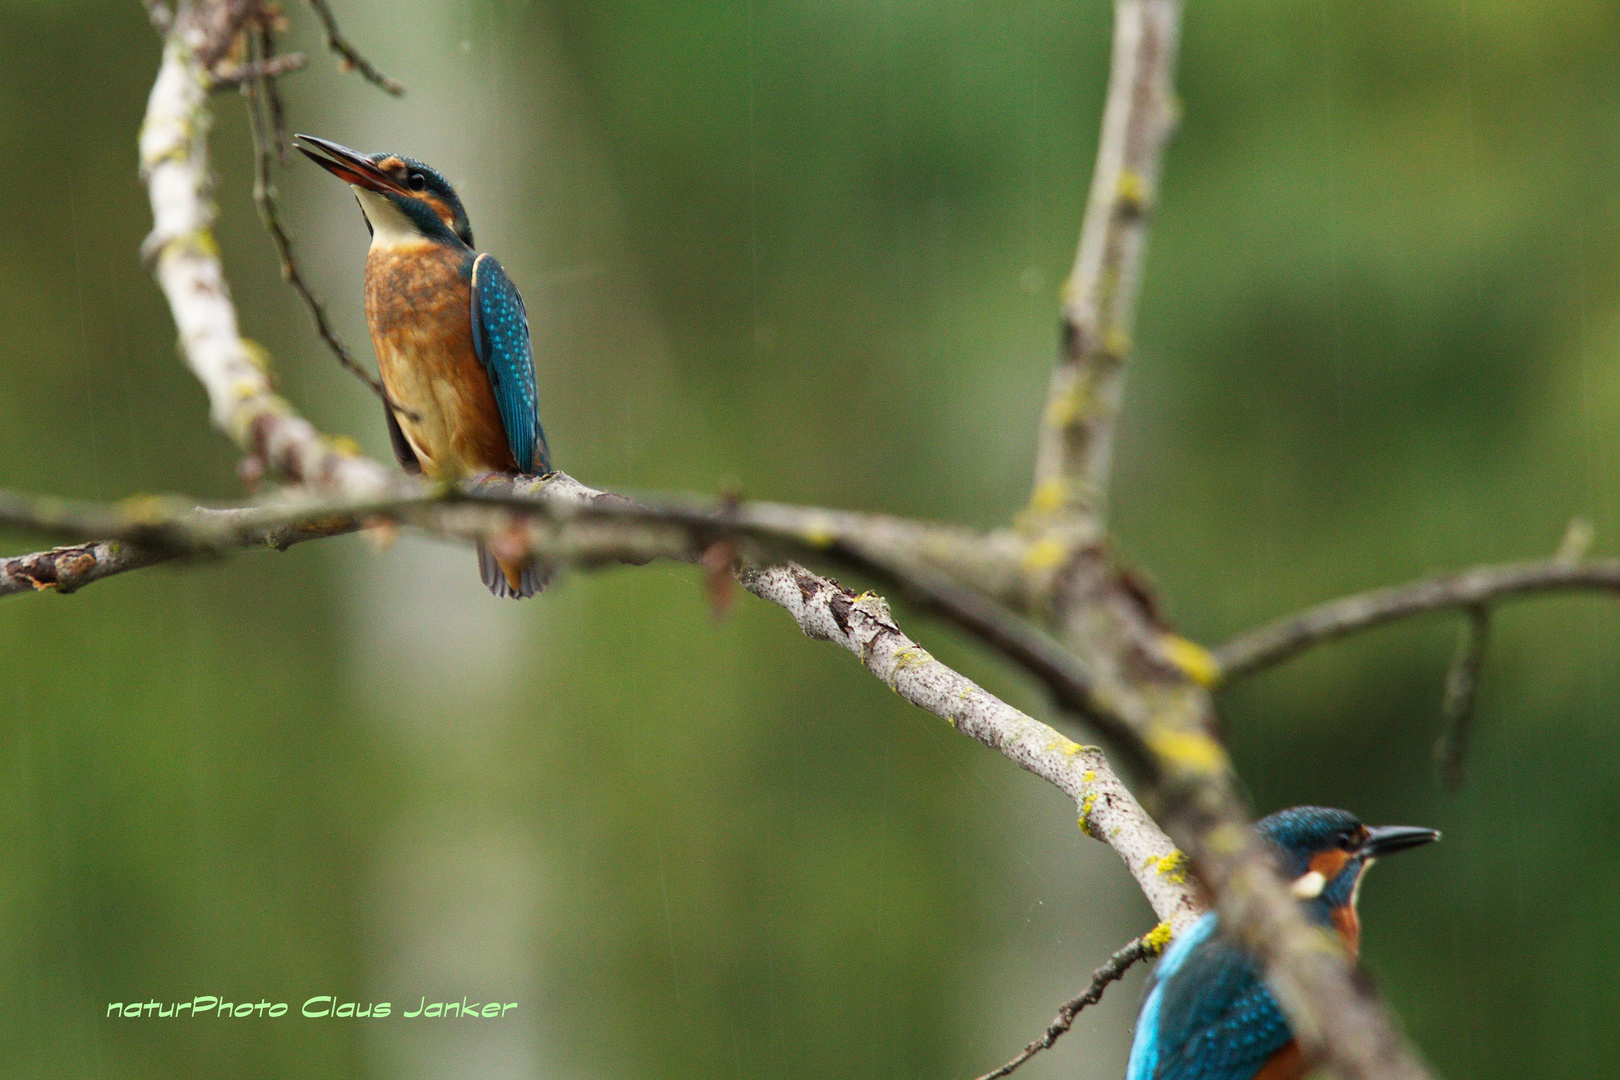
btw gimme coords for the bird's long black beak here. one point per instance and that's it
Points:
(350, 166)
(1388, 839)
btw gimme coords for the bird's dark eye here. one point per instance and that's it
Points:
(418, 182)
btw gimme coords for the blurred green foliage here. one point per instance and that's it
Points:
(809, 250)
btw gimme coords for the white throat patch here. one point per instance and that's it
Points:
(1308, 886)
(389, 225)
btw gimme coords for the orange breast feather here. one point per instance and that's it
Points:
(419, 310)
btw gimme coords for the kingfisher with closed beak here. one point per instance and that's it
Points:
(451, 336)
(1208, 1014)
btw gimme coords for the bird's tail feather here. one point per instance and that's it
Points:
(514, 580)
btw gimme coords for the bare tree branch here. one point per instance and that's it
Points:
(172, 527)
(893, 549)
(66, 569)
(561, 521)
(590, 527)
(1148, 945)
(1099, 299)
(862, 624)
(275, 109)
(1151, 681)
(352, 59)
(1277, 641)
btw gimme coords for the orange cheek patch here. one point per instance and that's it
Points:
(441, 208)
(1329, 863)
(1348, 924)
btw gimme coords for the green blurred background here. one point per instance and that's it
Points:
(809, 250)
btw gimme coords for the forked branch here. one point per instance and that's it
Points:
(1485, 586)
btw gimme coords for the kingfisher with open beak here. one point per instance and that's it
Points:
(451, 336)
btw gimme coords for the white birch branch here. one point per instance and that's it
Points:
(185, 260)
(862, 624)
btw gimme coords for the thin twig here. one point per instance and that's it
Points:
(275, 111)
(68, 569)
(352, 59)
(264, 69)
(184, 257)
(1112, 971)
(1462, 692)
(1277, 641)
(262, 112)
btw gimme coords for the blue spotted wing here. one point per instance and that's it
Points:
(500, 330)
(1209, 1016)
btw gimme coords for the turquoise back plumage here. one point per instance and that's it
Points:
(1207, 1014)
(500, 329)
